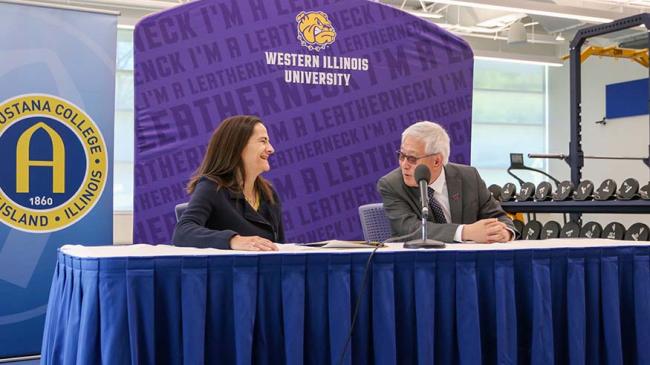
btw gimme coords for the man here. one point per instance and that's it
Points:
(460, 206)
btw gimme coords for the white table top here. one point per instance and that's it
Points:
(146, 250)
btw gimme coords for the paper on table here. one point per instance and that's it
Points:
(344, 244)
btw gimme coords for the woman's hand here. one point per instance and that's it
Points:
(252, 243)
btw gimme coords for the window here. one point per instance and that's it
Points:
(508, 115)
(123, 151)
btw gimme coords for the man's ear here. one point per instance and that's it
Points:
(437, 161)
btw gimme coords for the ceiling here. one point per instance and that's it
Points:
(549, 24)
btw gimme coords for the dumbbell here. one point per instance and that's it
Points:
(614, 231)
(637, 232)
(606, 190)
(544, 191)
(644, 192)
(550, 230)
(531, 230)
(508, 192)
(570, 230)
(527, 192)
(495, 190)
(629, 190)
(584, 190)
(591, 230)
(564, 191)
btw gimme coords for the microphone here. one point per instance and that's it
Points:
(422, 177)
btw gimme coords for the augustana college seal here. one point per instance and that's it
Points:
(54, 163)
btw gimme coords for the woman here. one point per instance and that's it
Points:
(232, 206)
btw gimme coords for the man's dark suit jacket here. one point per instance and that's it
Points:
(214, 215)
(469, 201)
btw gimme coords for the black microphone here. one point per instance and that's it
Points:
(422, 177)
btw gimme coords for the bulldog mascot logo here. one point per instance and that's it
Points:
(315, 31)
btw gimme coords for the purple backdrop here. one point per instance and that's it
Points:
(334, 114)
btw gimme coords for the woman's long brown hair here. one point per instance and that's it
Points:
(222, 162)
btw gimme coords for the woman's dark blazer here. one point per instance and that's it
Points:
(215, 214)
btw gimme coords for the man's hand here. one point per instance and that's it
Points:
(489, 230)
(252, 243)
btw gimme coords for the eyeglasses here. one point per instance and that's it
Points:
(411, 159)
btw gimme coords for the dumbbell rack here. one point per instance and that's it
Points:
(578, 207)
(576, 154)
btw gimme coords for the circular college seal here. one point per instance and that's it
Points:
(54, 163)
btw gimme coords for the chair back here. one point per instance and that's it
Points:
(179, 209)
(374, 222)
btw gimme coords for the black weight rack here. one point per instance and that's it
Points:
(576, 156)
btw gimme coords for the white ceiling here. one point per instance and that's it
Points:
(483, 23)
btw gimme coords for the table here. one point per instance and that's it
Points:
(557, 301)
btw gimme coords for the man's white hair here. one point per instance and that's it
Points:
(435, 138)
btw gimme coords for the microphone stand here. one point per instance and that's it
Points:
(424, 242)
(425, 215)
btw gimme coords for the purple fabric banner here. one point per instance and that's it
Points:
(335, 83)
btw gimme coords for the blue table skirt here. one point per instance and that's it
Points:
(578, 306)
